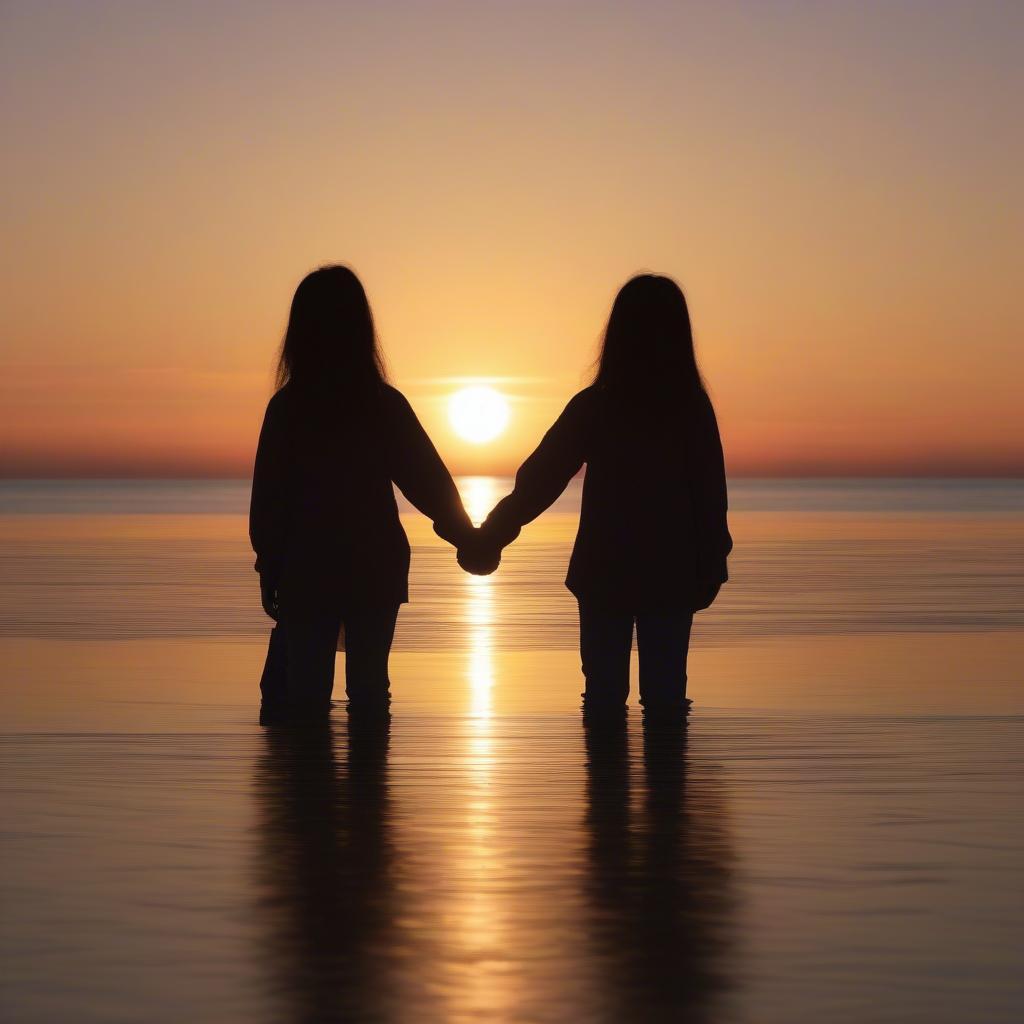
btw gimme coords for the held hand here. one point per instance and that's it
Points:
(479, 557)
(479, 563)
(268, 598)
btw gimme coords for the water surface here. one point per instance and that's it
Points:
(836, 837)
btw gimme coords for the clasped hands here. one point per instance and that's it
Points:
(480, 552)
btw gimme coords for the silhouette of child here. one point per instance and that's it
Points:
(653, 540)
(332, 555)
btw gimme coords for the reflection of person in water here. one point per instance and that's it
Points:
(660, 881)
(326, 872)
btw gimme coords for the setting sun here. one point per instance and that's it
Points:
(478, 414)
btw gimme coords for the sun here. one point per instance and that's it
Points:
(478, 414)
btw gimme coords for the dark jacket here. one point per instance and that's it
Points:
(323, 519)
(653, 519)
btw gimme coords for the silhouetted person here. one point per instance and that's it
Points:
(660, 881)
(653, 540)
(326, 871)
(331, 551)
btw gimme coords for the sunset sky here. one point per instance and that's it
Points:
(837, 187)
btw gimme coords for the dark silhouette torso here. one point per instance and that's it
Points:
(653, 515)
(323, 520)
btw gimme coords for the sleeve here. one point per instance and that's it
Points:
(268, 506)
(710, 496)
(543, 476)
(423, 478)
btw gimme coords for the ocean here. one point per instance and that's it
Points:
(837, 836)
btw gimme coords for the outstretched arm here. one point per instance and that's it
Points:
(424, 479)
(543, 476)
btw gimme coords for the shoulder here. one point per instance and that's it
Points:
(584, 403)
(393, 402)
(704, 406)
(277, 407)
(396, 413)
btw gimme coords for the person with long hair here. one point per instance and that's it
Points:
(330, 550)
(653, 540)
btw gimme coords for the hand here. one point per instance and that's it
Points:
(268, 598)
(478, 565)
(479, 556)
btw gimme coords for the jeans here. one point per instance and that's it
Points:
(662, 639)
(299, 671)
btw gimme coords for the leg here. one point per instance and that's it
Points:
(368, 636)
(663, 640)
(606, 637)
(274, 682)
(311, 640)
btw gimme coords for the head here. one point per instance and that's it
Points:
(648, 343)
(330, 341)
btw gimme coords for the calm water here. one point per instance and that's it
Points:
(838, 837)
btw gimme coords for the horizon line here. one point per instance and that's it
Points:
(213, 478)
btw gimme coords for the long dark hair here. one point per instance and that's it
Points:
(330, 344)
(647, 353)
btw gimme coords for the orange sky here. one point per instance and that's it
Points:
(835, 186)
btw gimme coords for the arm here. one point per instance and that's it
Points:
(710, 500)
(424, 479)
(543, 476)
(268, 505)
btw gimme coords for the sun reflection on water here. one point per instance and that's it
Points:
(480, 932)
(479, 495)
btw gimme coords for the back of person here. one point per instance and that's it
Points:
(653, 540)
(330, 550)
(642, 527)
(342, 540)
